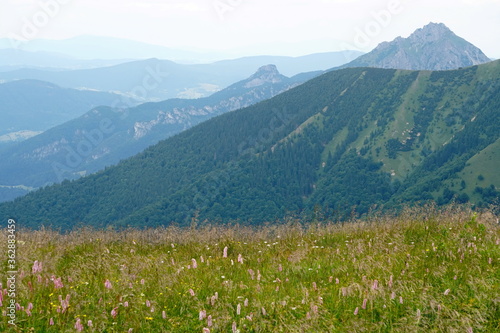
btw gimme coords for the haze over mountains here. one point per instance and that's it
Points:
(12, 59)
(155, 80)
(98, 47)
(62, 153)
(349, 138)
(32, 106)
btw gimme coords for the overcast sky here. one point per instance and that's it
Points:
(284, 27)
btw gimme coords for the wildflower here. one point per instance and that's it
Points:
(143, 281)
(206, 330)
(238, 309)
(78, 325)
(194, 263)
(245, 303)
(108, 284)
(37, 267)
(89, 323)
(390, 282)
(57, 282)
(191, 291)
(280, 268)
(400, 300)
(114, 312)
(164, 315)
(28, 309)
(393, 295)
(264, 313)
(51, 321)
(224, 253)
(356, 311)
(148, 303)
(375, 285)
(446, 292)
(240, 258)
(234, 327)
(364, 304)
(125, 304)
(202, 315)
(209, 321)
(252, 273)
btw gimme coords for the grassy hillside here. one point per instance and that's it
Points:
(422, 271)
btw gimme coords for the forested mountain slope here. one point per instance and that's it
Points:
(103, 136)
(342, 142)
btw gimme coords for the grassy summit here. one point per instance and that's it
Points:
(421, 271)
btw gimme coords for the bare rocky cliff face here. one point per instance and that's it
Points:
(433, 47)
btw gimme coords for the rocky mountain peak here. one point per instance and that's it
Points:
(433, 47)
(265, 74)
(431, 32)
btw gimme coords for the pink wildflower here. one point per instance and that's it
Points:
(37, 267)
(57, 282)
(224, 253)
(114, 312)
(356, 311)
(108, 284)
(202, 315)
(194, 263)
(51, 321)
(78, 325)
